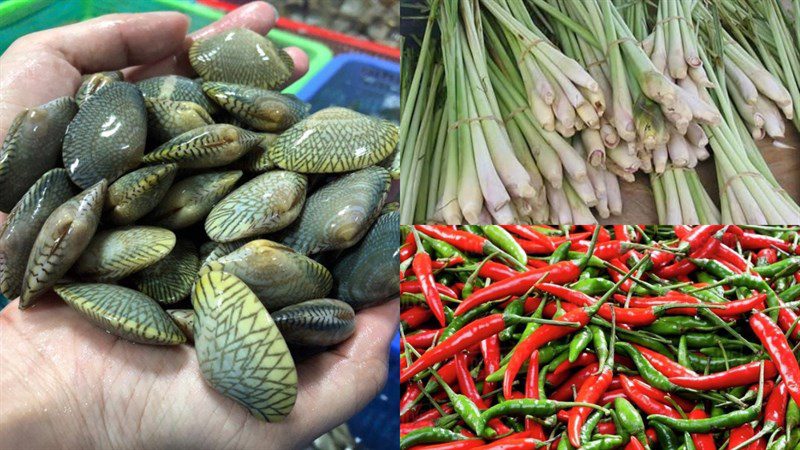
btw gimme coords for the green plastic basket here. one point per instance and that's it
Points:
(20, 17)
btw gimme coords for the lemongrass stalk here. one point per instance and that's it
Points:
(773, 121)
(701, 153)
(789, 75)
(649, 123)
(764, 81)
(676, 63)
(614, 195)
(438, 157)
(687, 200)
(747, 111)
(620, 156)
(659, 196)
(563, 110)
(484, 218)
(597, 178)
(696, 136)
(698, 74)
(520, 147)
(595, 148)
(568, 22)
(580, 211)
(560, 212)
(706, 207)
(612, 167)
(585, 190)
(690, 53)
(674, 214)
(623, 106)
(699, 110)
(609, 135)
(659, 53)
(660, 158)
(435, 146)
(738, 80)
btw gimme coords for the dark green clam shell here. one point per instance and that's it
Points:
(135, 194)
(167, 119)
(318, 323)
(176, 88)
(260, 109)
(170, 280)
(209, 146)
(90, 84)
(184, 319)
(190, 200)
(117, 253)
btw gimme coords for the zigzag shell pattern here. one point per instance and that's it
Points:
(170, 280)
(114, 254)
(319, 322)
(209, 146)
(135, 194)
(189, 200)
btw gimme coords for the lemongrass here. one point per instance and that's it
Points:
(560, 211)
(593, 144)
(773, 122)
(740, 81)
(660, 158)
(608, 134)
(614, 195)
(696, 136)
(676, 63)
(581, 215)
(659, 52)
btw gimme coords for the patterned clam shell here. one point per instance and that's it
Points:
(184, 319)
(106, 138)
(176, 88)
(90, 84)
(241, 352)
(64, 236)
(257, 160)
(19, 231)
(132, 196)
(209, 146)
(278, 275)
(219, 250)
(167, 119)
(366, 274)
(122, 312)
(334, 140)
(319, 322)
(241, 56)
(115, 254)
(265, 204)
(340, 213)
(190, 200)
(170, 280)
(32, 147)
(260, 109)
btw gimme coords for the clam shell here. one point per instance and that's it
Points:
(334, 140)
(340, 213)
(176, 88)
(64, 236)
(184, 319)
(122, 312)
(208, 146)
(106, 138)
(32, 147)
(115, 254)
(189, 200)
(276, 274)
(241, 56)
(170, 280)
(135, 194)
(167, 119)
(257, 160)
(267, 203)
(90, 84)
(367, 273)
(259, 109)
(242, 354)
(320, 322)
(19, 231)
(219, 250)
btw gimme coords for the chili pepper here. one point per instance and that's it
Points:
(564, 392)
(678, 325)
(456, 445)
(697, 237)
(579, 343)
(530, 234)
(590, 392)
(740, 435)
(645, 402)
(743, 375)
(414, 287)
(728, 255)
(409, 247)
(496, 271)
(421, 339)
(423, 271)
(714, 267)
(603, 443)
(503, 240)
(766, 256)
(592, 286)
(701, 363)
(429, 435)
(779, 350)
(592, 422)
(466, 409)
(630, 420)
(415, 316)
(531, 407)
(440, 248)
(532, 385)
(634, 444)
(751, 241)
(490, 348)
(466, 241)
(460, 321)
(702, 441)
(560, 253)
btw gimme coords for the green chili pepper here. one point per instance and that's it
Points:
(516, 308)
(546, 354)
(646, 370)
(678, 325)
(600, 343)
(780, 443)
(683, 352)
(604, 443)
(792, 414)
(429, 435)
(579, 343)
(630, 419)
(700, 363)
(623, 433)
(564, 444)
(440, 248)
(466, 409)
(459, 322)
(666, 437)
(594, 261)
(506, 242)
(588, 427)
(790, 294)
(714, 267)
(593, 286)
(697, 340)
(688, 442)
(560, 254)
(531, 407)
(788, 265)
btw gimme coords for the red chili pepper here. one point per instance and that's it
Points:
(616, 275)
(422, 339)
(631, 316)
(766, 256)
(590, 392)
(699, 235)
(663, 364)
(409, 396)
(526, 443)
(415, 316)
(465, 382)
(531, 235)
(740, 434)
(728, 255)
(661, 396)
(609, 396)
(414, 287)
(742, 375)
(779, 350)
(606, 428)
(454, 445)
(681, 231)
(565, 390)
(775, 412)
(645, 402)
(462, 240)
(424, 273)
(787, 318)
(532, 391)
(496, 271)
(490, 348)
(408, 427)
(408, 248)
(660, 258)
(433, 413)
(634, 444)
(702, 441)
(752, 241)
(621, 233)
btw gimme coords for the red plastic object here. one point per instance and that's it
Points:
(339, 42)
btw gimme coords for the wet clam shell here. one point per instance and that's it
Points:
(219, 250)
(209, 146)
(135, 194)
(170, 280)
(184, 319)
(90, 84)
(278, 275)
(167, 119)
(340, 213)
(334, 140)
(241, 56)
(320, 322)
(265, 204)
(259, 109)
(366, 274)
(115, 254)
(257, 160)
(32, 147)
(242, 354)
(176, 88)
(190, 200)
(64, 236)
(106, 138)
(122, 312)
(19, 231)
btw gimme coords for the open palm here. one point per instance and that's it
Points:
(65, 383)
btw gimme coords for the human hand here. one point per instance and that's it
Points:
(64, 382)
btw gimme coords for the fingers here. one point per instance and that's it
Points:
(257, 16)
(300, 63)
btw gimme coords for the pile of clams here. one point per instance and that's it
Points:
(213, 211)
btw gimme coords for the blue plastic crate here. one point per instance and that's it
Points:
(3, 301)
(360, 82)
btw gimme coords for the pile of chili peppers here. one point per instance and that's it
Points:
(634, 337)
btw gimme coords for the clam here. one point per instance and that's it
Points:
(19, 231)
(275, 273)
(367, 273)
(242, 354)
(32, 147)
(320, 322)
(241, 56)
(64, 236)
(135, 194)
(334, 140)
(219, 250)
(340, 213)
(189, 200)
(92, 83)
(176, 88)
(257, 160)
(184, 319)
(106, 138)
(167, 119)
(115, 254)
(208, 146)
(260, 109)
(267, 203)
(122, 312)
(170, 280)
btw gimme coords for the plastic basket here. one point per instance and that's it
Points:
(20, 17)
(3, 301)
(363, 83)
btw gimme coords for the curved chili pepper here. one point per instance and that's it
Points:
(664, 364)
(415, 316)
(752, 241)
(644, 402)
(429, 435)
(702, 441)
(421, 339)
(779, 350)
(661, 396)
(414, 287)
(564, 392)
(700, 423)
(490, 348)
(698, 236)
(743, 375)
(730, 256)
(455, 445)
(590, 392)
(409, 247)
(424, 273)
(740, 435)
(531, 235)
